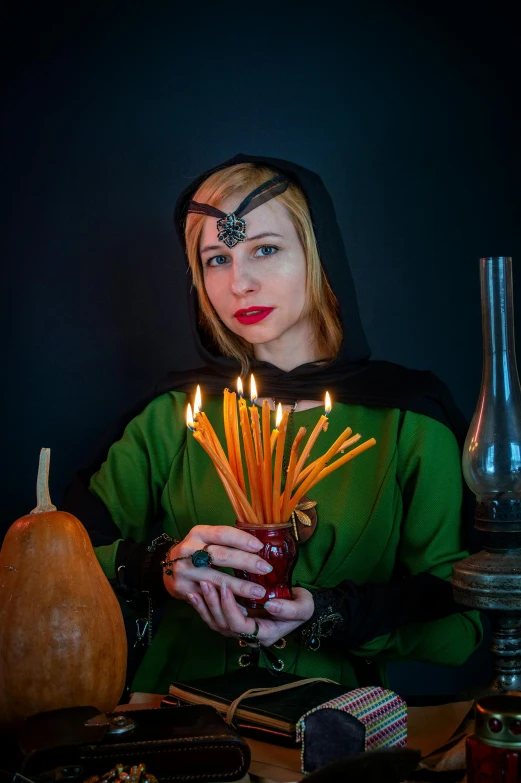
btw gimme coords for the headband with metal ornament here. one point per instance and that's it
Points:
(230, 228)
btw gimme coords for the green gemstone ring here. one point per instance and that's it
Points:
(201, 558)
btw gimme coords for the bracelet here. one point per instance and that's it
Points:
(164, 540)
(201, 558)
(324, 620)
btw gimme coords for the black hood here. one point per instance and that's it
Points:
(354, 352)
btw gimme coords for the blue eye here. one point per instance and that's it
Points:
(219, 261)
(270, 248)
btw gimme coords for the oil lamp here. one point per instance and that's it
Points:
(490, 580)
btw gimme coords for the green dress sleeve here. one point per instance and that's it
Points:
(132, 479)
(431, 540)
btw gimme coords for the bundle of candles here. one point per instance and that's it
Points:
(255, 491)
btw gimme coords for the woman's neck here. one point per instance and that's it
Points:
(294, 347)
(301, 405)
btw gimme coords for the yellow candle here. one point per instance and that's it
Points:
(277, 475)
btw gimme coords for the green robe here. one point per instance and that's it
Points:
(394, 510)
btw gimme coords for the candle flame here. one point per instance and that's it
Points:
(197, 401)
(240, 391)
(327, 404)
(278, 417)
(253, 389)
(189, 417)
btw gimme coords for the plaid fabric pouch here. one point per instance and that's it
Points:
(373, 718)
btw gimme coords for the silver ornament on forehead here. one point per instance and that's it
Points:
(231, 230)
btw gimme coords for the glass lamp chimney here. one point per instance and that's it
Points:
(492, 451)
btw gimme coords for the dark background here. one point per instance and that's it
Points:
(408, 111)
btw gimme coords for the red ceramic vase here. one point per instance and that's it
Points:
(280, 551)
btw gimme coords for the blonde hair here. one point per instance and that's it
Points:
(321, 307)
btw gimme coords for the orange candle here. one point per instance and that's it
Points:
(224, 469)
(320, 463)
(320, 426)
(345, 445)
(197, 401)
(228, 431)
(266, 473)
(342, 461)
(259, 462)
(253, 475)
(209, 432)
(291, 473)
(253, 389)
(279, 456)
(275, 433)
(189, 418)
(239, 472)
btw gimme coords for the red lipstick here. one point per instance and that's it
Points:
(252, 315)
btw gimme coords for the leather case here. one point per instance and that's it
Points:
(186, 743)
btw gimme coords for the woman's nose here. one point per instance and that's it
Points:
(243, 282)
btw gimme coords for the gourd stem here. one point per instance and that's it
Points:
(42, 484)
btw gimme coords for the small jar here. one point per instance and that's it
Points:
(280, 551)
(494, 751)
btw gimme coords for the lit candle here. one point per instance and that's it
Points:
(321, 424)
(279, 456)
(251, 464)
(275, 433)
(238, 499)
(259, 462)
(345, 445)
(189, 418)
(197, 401)
(320, 463)
(253, 389)
(230, 443)
(285, 515)
(240, 391)
(342, 461)
(237, 445)
(266, 473)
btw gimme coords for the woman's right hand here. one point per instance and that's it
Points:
(229, 548)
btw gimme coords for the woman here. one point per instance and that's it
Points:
(272, 292)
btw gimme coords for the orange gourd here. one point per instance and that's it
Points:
(62, 636)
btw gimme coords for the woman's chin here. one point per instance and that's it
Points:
(256, 334)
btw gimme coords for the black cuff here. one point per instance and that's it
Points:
(352, 614)
(138, 566)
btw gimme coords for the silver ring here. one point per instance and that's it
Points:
(251, 638)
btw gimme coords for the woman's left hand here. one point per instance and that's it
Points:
(222, 613)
